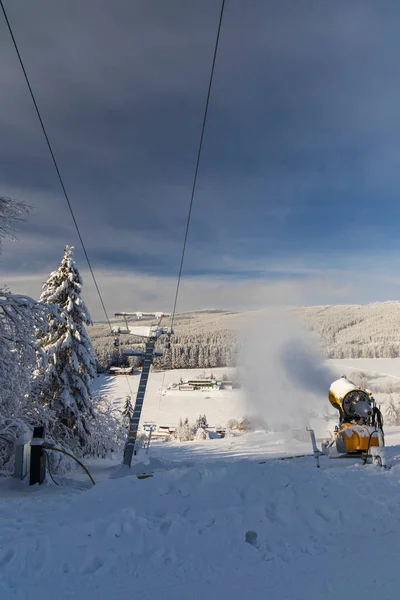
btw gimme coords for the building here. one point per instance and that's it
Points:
(204, 384)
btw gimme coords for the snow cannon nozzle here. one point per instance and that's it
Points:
(363, 409)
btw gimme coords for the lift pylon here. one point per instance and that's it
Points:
(151, 333)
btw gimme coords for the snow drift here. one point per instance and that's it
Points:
(223, 530)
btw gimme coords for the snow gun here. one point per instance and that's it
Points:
(359, 432)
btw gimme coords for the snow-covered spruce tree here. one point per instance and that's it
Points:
(71, 365)
(128, 409)
(392, 412)
(201, 422)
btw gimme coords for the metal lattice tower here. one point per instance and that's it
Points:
(151, 334)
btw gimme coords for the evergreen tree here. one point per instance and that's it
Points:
(127, 413)
(71, 365)
(392, 412)
(184, 432)
(201, 422)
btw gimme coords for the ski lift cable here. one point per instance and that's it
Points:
(198, 161)
(195, 180)
(60, 178)
(21, 62)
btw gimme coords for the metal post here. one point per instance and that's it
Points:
(38, 457)
(151, 334)
(149, 440)
(137, 411)
(317, 453)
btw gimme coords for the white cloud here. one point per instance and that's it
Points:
(135, 291)
(363, 281)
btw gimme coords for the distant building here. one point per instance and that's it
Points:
(121, 370)
(206, 385)
(202, 384)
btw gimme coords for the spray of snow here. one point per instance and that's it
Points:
(282, 370)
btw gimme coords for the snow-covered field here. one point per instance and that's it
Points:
(218, 519)
(166, 407)
(389, 367)
(233, 523)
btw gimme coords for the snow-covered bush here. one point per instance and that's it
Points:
(107, 429)
(19, 357)
(202, 434)
(185, 432)
(106, 434)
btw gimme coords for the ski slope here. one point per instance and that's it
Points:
(218, 519)
(166, 406)
(207, 525)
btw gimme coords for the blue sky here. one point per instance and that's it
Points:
(297, 197)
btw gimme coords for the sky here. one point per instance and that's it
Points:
(297, 193)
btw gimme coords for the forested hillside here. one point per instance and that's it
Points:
(208, 339)
(356, 330)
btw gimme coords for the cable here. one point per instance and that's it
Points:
(195, 178)
(53, 158)
(49, 470)
(48, 447)
(62, 182)
(161, 391)
(198, 161)
(57, 168)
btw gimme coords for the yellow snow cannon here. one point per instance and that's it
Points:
(360, 429)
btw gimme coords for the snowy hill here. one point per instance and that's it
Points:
(208, 339)
(165, 405)
(220, 518)
(221, 528)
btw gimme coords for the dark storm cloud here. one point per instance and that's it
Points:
(301, 143)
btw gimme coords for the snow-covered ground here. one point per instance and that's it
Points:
(166, 406)
(384, 366)
(218, 519)
(229, 523)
